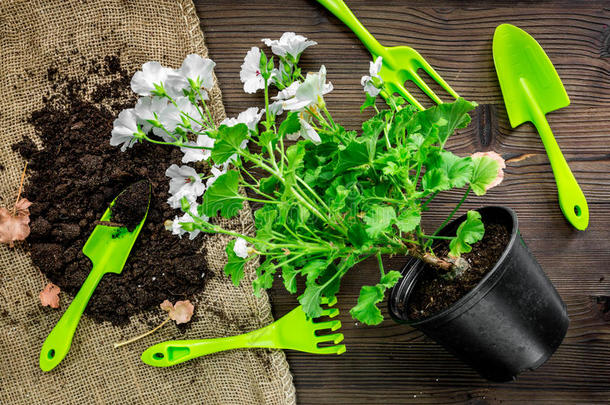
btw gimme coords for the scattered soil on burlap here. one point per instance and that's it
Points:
(433, 293)
(77, 174)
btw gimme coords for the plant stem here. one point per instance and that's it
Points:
(117, 345)
(380, 263)
(446, 221)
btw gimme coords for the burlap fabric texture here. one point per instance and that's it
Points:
(33, 35)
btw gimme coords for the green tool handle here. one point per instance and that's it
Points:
(174, 352)
(58, 343)
(342, 12)
(572, 200)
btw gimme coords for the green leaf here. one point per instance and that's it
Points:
(357, 235)
(408, 219)
(289, 276)
(366, 310)
(379, 219)
(223, 195)
(457, 169)
(390, 279)
(235, 264)
(313, 269)
(435, 180)
(484, 172)
(441, 121)
(263, 220)
(470, 231)
(310, 300)
(369, 102)
(354, 155)
(267, 184)
(228, 142)
(290, 125)
(264, 281)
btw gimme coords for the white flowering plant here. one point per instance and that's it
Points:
(329, 198)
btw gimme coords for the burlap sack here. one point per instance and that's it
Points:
(33, 34)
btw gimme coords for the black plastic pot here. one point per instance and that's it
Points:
(512, 321)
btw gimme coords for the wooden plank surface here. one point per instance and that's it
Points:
(393, 363)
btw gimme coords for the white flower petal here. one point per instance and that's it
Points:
(124, 129)
(143, 81)
(241, 248)
(197, 155)
(250, 74)
(289, 43)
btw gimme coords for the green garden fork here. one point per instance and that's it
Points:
(292, 331)
(400, 63)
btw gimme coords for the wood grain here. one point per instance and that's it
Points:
(391, 363)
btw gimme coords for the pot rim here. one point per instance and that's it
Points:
(473, 296)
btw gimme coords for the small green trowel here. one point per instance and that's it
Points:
(108, 248)
(531, 88)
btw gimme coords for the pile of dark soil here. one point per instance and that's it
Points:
(433, 293)
(75, 177)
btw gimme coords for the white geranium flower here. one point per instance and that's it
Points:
(147, 109)
(197, 155)
(143, 81)
(176, 225)
(184, 182)
(310, 92)
(367, 81)
(216, 173)
(289, 44)
(194, 69)
(189, 113)
(125, 130)
(241, 248)
(288, 92)
(250, 73)
(250, 117)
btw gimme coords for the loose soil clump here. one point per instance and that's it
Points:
(130, 206)
(433, 293)
(75, 177)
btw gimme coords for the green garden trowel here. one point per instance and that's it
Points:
(531, 88)
(108, 248)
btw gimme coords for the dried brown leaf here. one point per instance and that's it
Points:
(49, 296)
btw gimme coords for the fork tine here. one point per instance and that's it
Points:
(415, 78)
(332, 325)
(335, 338)
(400, 89)
(338, 349)
(330, 312)
(432, 73)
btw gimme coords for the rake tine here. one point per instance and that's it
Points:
(335, 338)
(423, 64)
(400, 89)
(415, 78)
(339, 349)
(332, 325)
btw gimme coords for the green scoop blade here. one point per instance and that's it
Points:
(532, 88)
(108, 248)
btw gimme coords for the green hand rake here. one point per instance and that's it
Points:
(292, 331)
(400, 63)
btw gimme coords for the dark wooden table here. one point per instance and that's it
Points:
(391, 363)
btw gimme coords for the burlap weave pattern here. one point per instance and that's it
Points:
(33, 35)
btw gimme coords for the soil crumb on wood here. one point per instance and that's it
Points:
(75, 177)
(433, 293)
(130, 206)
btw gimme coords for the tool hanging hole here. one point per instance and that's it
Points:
(577, 210)
(158, 356)
(51, 354)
